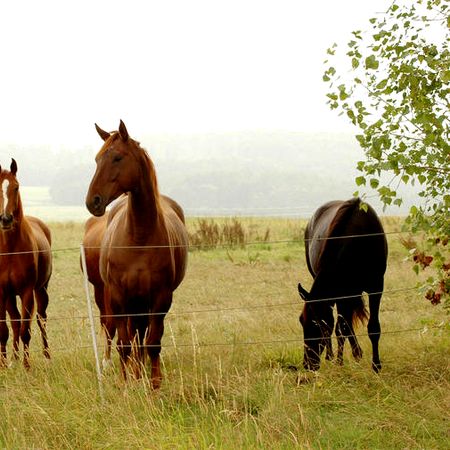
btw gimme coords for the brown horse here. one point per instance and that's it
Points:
(143, 252)
(25, 268)
(346, 253)
(94, 231)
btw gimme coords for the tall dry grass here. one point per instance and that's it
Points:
(232, 363)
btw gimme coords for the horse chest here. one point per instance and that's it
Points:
(139, 275)
(17, 271)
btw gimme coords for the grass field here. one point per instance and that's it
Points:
(232, 355)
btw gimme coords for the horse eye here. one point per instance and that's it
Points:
(117, 158)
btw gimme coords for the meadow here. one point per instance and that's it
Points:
(232, 359)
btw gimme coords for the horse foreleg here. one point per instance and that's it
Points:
(109, 328)
(373, 326)
(328, 342)
(4, 334)
(25, 325)
(14, 314)
(340, 340)
(42, 303)
(138, 331)
(123, 343)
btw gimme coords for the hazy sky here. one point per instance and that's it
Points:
(168, 66)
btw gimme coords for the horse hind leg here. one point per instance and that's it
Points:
(14, 314)
(25, 325)
(107, 323)
(42, 304)
(4, 334)
(161, 306)
(344, 329)
(373, 326)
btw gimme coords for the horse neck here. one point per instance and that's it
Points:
(144, 212)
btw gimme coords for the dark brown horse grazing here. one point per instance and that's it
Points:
(143, 253)
(25, 268)
(343, 268)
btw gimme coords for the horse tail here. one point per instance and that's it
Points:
(360, 314)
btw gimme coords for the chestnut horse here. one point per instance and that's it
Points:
(25, 268)
(143, 251)
(94, 231)
(346, 253)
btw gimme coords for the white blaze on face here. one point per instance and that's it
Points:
(5, 184)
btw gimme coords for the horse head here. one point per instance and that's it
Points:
(317, 322)
(118, 166)
(10, 210)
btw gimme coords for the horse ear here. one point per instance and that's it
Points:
(13, 167)
(123, 133)
(303, 293)
(103, 134)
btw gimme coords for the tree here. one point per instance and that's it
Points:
(397, 93)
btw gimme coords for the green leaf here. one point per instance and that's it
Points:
(372, 63)
(382, 84)
(360, 181)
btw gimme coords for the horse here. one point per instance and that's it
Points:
(94, 231)
(346, 254)
(142, 254)
(25, 269)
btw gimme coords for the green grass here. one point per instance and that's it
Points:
(232, 363)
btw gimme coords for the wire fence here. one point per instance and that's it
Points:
(92, 317)
(206, 246)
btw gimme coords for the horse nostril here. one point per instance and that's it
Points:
(97, 200)
(6, 219)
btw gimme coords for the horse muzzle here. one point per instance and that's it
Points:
(96, 205)
(6, 221)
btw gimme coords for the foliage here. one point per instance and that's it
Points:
(397, 94)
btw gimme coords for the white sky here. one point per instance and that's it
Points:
(168, 66)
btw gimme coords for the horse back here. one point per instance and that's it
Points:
(360, 256)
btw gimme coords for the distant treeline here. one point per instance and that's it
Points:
(257, 171)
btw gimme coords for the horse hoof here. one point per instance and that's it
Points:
(156, 383)
(376, 367)
(357, 354)
(107, 364)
